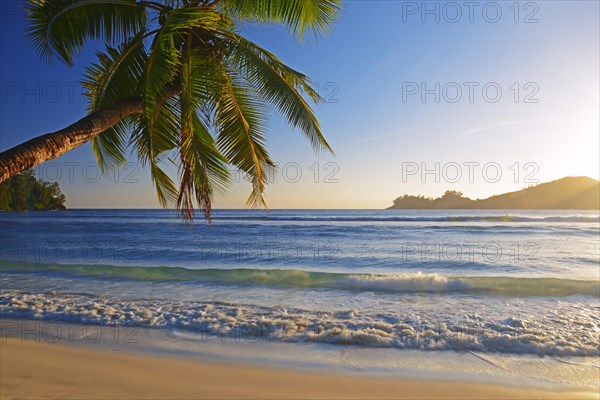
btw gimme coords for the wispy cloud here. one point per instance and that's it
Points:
(476, 131)
(371, 138)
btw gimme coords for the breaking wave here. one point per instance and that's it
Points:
(414, 282)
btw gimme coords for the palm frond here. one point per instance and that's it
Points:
(109, 146)
(298, 16)
(116, 76)
(202, 166)
(240, 121)
(60, 28)
(203, 169)
(164, 136)
(166, 190)
(161, 71)
(277, 84)
(164, 63)
(154, 150)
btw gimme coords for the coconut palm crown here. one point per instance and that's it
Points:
(204, 91)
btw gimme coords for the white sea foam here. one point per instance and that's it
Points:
(543, 335)
(408, 282)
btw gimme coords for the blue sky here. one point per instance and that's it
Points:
(372, 69)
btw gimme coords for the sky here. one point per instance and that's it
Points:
(420, 98)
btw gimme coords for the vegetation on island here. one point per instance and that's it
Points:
(25, 192)
(574, 193)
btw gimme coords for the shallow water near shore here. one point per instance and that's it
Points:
(546, 373)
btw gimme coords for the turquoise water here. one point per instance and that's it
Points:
(511, 282)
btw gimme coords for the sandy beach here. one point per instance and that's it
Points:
(42, 370)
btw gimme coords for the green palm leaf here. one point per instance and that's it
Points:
(299, 16)
(241, 121)
(60, 28)
(116, 76)
(164, 62)
(202, 166)
(154, 149)
(277, 85)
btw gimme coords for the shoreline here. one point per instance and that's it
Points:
(32, 369)
(107, 362)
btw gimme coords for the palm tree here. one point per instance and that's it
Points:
(178, 84)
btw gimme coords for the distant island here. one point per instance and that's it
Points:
(24, 192)
(570, 193)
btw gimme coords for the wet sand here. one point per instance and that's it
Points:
(30, 369)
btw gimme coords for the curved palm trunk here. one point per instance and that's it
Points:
(47, 147)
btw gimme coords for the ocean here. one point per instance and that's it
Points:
(501, 283)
